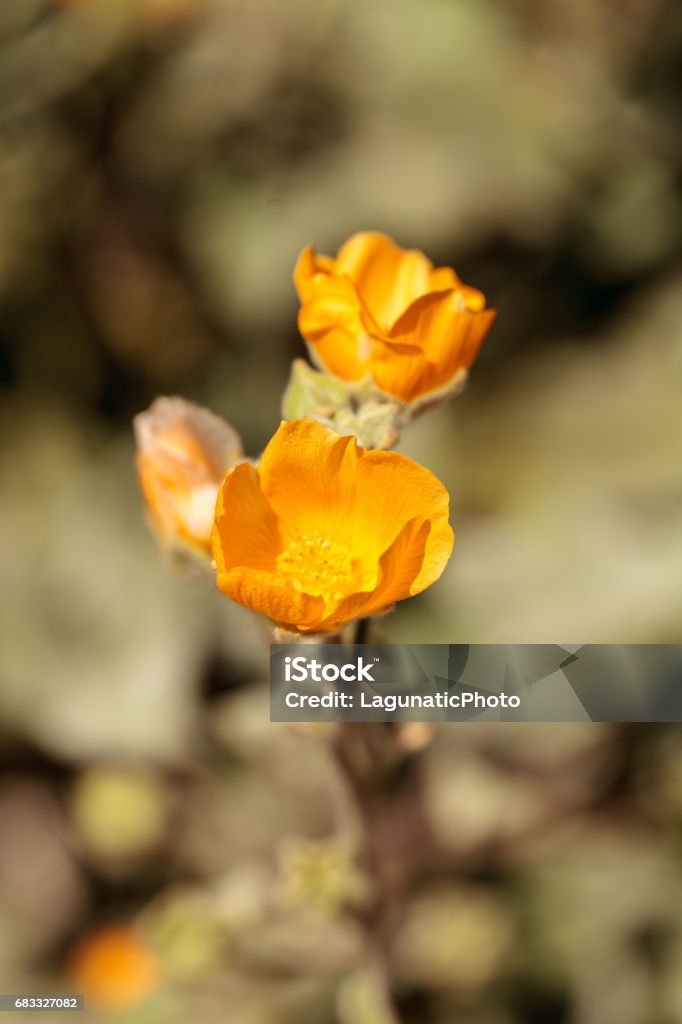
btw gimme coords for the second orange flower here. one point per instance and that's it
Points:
(385, 313)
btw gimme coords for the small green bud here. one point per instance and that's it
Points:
(346, 408)
(313, 394)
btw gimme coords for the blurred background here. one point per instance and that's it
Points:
(162, 846)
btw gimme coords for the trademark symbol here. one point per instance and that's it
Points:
(375, 659)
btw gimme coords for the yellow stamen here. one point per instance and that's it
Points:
(317, 566)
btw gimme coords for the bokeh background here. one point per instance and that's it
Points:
(162, 162)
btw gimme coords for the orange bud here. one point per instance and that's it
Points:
(184, 451)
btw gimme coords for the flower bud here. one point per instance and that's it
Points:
(183, 454)
(386, 315)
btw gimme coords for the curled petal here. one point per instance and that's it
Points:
(242, 513)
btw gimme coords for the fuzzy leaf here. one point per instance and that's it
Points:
(310, 393)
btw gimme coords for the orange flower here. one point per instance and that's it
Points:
(324, 532)
(183, 454)
(114, 968)
(381, 311)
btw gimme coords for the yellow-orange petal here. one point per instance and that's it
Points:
(397, 570)
(388, 278)
(308, 476)
(331, 322)
(330, 316)
(437, 322)
(341, 353)
(274, 597)
(245, 530)
(392, 490)
(415, 560)
(450, 335)
(308, 264)
(334, 306)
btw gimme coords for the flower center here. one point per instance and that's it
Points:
(317, 566)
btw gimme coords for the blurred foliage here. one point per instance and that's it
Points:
(162, 162)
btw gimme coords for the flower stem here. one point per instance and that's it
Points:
(362, 631)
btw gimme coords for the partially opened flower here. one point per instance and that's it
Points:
(379, 311)
(324, 532)
(183, 453)
(114, 968)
